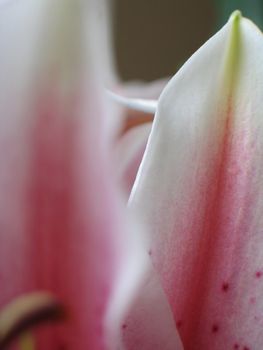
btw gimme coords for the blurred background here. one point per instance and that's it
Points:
(153, 38)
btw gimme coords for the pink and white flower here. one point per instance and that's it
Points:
(182, 267)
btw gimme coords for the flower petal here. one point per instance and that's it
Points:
(130, 148)
(150, 324)
(137, 104)
(200, 188)
(61, 226)
(135, 96)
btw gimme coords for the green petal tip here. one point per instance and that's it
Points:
(235, 16)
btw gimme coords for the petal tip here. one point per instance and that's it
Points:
(236, 16)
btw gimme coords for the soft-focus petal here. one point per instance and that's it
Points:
(200, 190)
(130, 148)
(136, 104)
(60, 218)
(135, 96)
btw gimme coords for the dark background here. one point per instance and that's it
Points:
(154, 37)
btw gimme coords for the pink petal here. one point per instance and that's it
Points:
(139, 100)
(130, 148)
(200, 190)
(61, 225)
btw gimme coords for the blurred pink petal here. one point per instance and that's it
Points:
(200, 190)
(138, 101)
(61, 218)
(130, 148)
(137, 120)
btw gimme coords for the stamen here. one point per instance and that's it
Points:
(27, 342)
(26, 312)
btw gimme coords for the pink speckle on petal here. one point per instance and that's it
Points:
(124, 326)
(225, 287)
(258, 275)
(215, 328)
(236, 346)
(179, 323)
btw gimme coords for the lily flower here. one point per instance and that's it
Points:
(199, 192)
(77, 264)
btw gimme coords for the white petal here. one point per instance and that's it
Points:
(200, 190)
